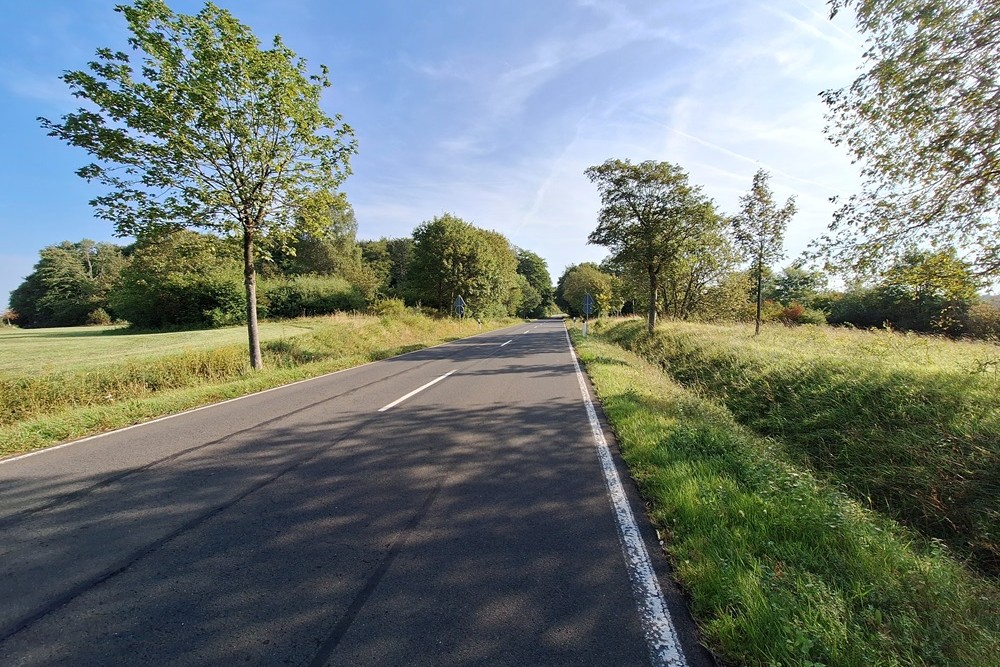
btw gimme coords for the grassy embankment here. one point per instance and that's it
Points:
(59, 384)
(783, 566)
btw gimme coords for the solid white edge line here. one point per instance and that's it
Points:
(657, 626)
(414, 392)
(230, 400)
(508, 342)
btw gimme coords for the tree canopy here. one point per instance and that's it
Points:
(650, 217)
(453, 258)
(207, 130)
(922, 121)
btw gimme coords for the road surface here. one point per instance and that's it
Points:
(445, 507)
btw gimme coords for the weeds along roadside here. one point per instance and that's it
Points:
(781, 567)
(40, 410)
(904, 424)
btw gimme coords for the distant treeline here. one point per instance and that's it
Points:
(924, 291)
(188, 279)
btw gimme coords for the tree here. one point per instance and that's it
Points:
(650, 215)
(453, 258)
(70, 283)
(759, 230)
(537, 299)
(922, 121)
(208, 131)
(581, 279)
(180, 278)
(796, 284)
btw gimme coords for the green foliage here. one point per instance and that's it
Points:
(69, 282)
(923, 291)
(781, 568)
(388, 308)
(209, 131)
(536, 288)
(181, 279)
(307, 296)
(759, 231)
(983, 321)
(922, 123)
(900, 422)
(577, 281)
(651, 218)
(389, 261)
(796, 284)
(452, 258)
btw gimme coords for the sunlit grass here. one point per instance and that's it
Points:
(909, 425)
(174, 372)
(782, 567)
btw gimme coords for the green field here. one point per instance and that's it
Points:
(784, 560)
(59, 384)
(42, 351)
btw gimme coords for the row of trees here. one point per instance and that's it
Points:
(674, 254)
(186, 278)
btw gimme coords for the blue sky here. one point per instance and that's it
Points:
(488, 109)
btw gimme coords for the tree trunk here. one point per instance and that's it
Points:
(760, 297)
(651, 315)
(250, 282)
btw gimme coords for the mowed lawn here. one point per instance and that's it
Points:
(45, 351)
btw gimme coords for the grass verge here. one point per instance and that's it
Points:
(40, 410)
(908, 425)
(781, 567)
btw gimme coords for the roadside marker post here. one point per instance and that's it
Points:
(588, 307)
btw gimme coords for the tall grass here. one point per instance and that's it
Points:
(782, 568)
(906, 424)
(37, 409)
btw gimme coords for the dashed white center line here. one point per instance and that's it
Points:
(414, 392)
(507, 343)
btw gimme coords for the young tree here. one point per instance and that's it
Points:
(759, 230)
(922, 123)
(650, 215)
(207, 130)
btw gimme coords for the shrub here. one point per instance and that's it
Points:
(388, 308)
(309, 295)
(796, 313)
(99, 317)
(983, 321)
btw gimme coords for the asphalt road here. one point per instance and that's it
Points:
(327, 523)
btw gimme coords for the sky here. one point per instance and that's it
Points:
(487, 109)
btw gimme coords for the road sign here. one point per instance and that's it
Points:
(588, 304)
(460, 306)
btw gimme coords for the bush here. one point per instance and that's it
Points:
(309, 295)
(99, 317)
(798, 314)
(983, 321)
(388, 308)
(212, 300)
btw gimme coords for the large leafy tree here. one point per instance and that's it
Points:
(453, 258)
(537, 290)
(650, 216)
(68, 285)
(577, 281)
(207, 129)
(759, 230)
(923, 121)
